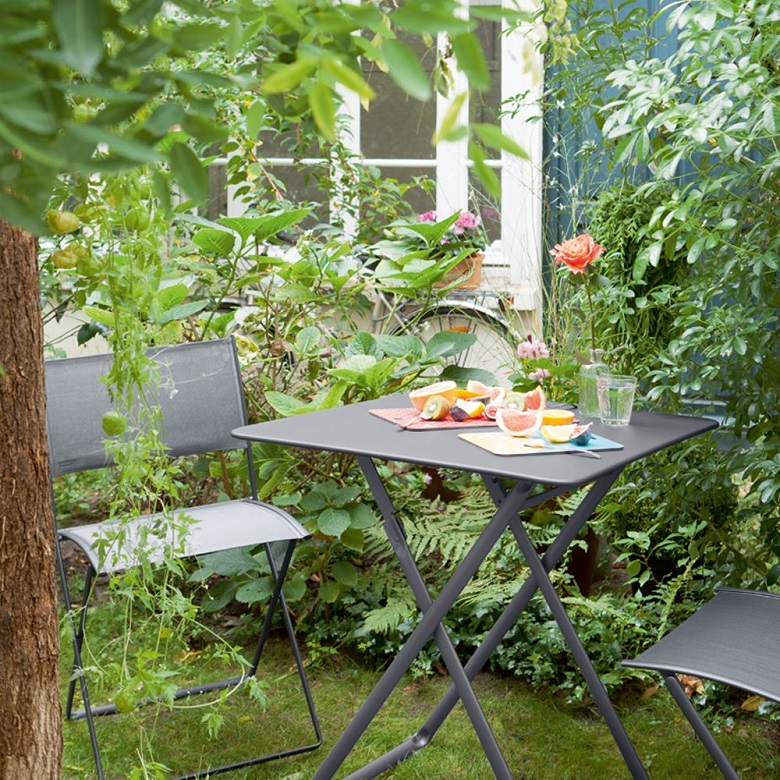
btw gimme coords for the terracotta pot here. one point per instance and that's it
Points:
(472, 264)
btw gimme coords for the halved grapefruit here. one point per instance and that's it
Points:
(475, 386)
(447, 389)
(517, 423)
(535, 399)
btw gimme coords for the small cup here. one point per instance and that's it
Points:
(616, 398)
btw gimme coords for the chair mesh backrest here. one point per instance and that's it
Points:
(198, 390)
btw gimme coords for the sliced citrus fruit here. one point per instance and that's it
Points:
(535, 399)
(557, 417)
(469, 394)
(447, 389)
(558, 434)
(437, 407)
(518, 423)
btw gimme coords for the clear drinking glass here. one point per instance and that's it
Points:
(616, 398)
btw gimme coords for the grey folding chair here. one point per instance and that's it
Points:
(733, 639)
(200, 397)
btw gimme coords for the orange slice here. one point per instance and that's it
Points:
(557, 417)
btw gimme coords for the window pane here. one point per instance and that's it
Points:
(397, 125)
(485, 106)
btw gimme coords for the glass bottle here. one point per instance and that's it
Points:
(588, 405)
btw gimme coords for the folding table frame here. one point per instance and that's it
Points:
(354, 430)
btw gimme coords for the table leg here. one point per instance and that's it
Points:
(429, 626)
(520, 600)
(597, 689)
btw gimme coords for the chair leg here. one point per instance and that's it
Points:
(77, 633)
(702, 732)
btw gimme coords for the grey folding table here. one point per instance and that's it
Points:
(354, 430)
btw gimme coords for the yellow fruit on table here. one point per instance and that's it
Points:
(447, 389)
(557, 417)
(558, 434)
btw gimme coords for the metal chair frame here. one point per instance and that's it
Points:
(283, 531)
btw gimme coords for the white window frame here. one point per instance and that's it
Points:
(513, 264)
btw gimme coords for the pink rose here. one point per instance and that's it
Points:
(577, 253)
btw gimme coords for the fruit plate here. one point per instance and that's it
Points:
(500, 443)
(409, 418)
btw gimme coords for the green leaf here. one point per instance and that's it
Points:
(283, 404)
(405, 69)
(307, 340)
(234, 37)
(265, 227)
(215, 241)
(198, 36)
(471, 61)
(130, 149)
(102, 316)
(362, 517)
(255, 118)
(333, 522)
(351, 79)
(428, 18)
(353, 539)
(449, 343)
(448, 127)
(189, 172)
(254, 591)
(491, 136)
(182, 311)
(323, 108)
(289, 76)
(329, 591)
(79, 26)
(344, 573)
(172, 294)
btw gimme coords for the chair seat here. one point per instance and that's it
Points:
(733, 639)
(211, 528)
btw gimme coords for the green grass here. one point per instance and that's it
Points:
(542, 737)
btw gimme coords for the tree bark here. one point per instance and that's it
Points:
(30, 711)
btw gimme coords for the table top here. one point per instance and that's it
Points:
(354, 430)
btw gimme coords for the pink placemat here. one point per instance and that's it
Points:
(409, 418)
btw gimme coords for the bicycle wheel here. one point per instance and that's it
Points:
(494, 349)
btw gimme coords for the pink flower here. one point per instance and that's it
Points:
(428, 216)
(539, 375)
(577, 253)
(532, 349)
(466, 221)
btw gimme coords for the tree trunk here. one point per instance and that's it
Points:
(30, 714)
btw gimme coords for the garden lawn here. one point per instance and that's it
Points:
(543, 738)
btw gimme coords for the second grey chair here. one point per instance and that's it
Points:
(733, 639)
